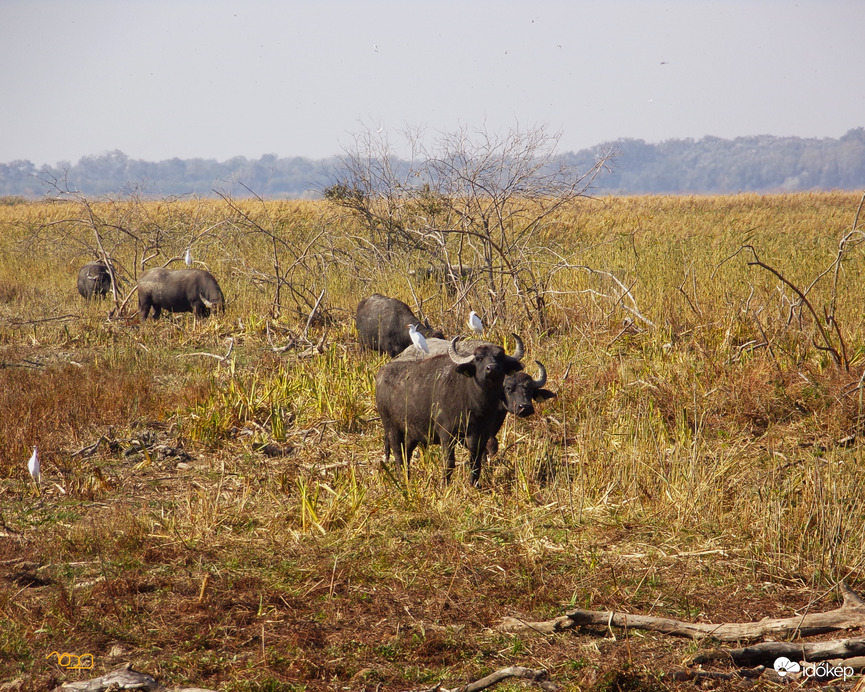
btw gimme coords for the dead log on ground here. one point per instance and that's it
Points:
(796, 651)
(123, 678)
(537, 676)
(850, 615)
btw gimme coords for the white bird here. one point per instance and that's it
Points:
(188, 257)
(475, 323)
(417, 338)
(33, 466)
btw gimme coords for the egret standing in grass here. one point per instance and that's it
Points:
(417, 338)
(33, 466)
(188, 257)
(475, 323)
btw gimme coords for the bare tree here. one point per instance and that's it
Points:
(473, 204)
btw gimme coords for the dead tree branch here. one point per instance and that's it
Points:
(123, 678)
(537, 676)
(766, 652)
(850, 615)
(840, 361)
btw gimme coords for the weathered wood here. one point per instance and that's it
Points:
(123, 678)
(857, 663)
(850, 615)
(767, 652)
(538, 677)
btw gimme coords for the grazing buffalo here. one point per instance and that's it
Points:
(178, 290)
(382, 324)
(443, 399)
(520, 389)
(94, 280)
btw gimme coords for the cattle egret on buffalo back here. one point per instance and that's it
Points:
(33, 466)
(188, 257)
(475, 323)
(417, 338)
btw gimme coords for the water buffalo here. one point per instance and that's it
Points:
(94, 280)
(178, 290)
(382, 324)
(520, 389)
(443, 399)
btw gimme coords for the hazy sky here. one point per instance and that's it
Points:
(159, 79)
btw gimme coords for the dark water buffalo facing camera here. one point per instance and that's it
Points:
(443, 399)
(382, 324)
(178, 290)
(94, 280)
(520, 388)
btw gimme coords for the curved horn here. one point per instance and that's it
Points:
(542, 375)
(207, 303)
(455, 357)
(520, 350)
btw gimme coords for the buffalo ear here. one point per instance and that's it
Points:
(543, 395)
(467, 369)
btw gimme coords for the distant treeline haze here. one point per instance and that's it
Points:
(709, 166)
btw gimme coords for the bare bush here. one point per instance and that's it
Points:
(473, 207)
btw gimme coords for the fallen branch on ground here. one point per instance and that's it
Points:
(221, 359)
(536, 676)
(796, 651)
(123, 678)
(850, 615)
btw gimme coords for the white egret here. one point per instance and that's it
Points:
(33, 466)
(188, 257)
(475, 323)
(417, 338)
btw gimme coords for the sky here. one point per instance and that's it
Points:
(214, 79)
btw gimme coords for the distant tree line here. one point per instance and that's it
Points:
(722, 166)
(707, 166)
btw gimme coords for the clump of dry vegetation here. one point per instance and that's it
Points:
(214, 507)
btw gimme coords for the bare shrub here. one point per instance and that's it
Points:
(471, 207)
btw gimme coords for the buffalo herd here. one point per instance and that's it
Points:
(174, 290)
(453, 392)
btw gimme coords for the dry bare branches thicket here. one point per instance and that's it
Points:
(829, 337)
(470, 209)
(300, 255)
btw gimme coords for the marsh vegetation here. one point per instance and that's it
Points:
(213, 504)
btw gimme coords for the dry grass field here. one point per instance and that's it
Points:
(214, 508)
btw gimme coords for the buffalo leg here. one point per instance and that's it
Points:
(449, 452)
(401, 448)
(143, 309)
(477, 447)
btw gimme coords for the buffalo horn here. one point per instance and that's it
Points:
(520, 350)
(207, 303)
(542, 376)
(456, 358)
